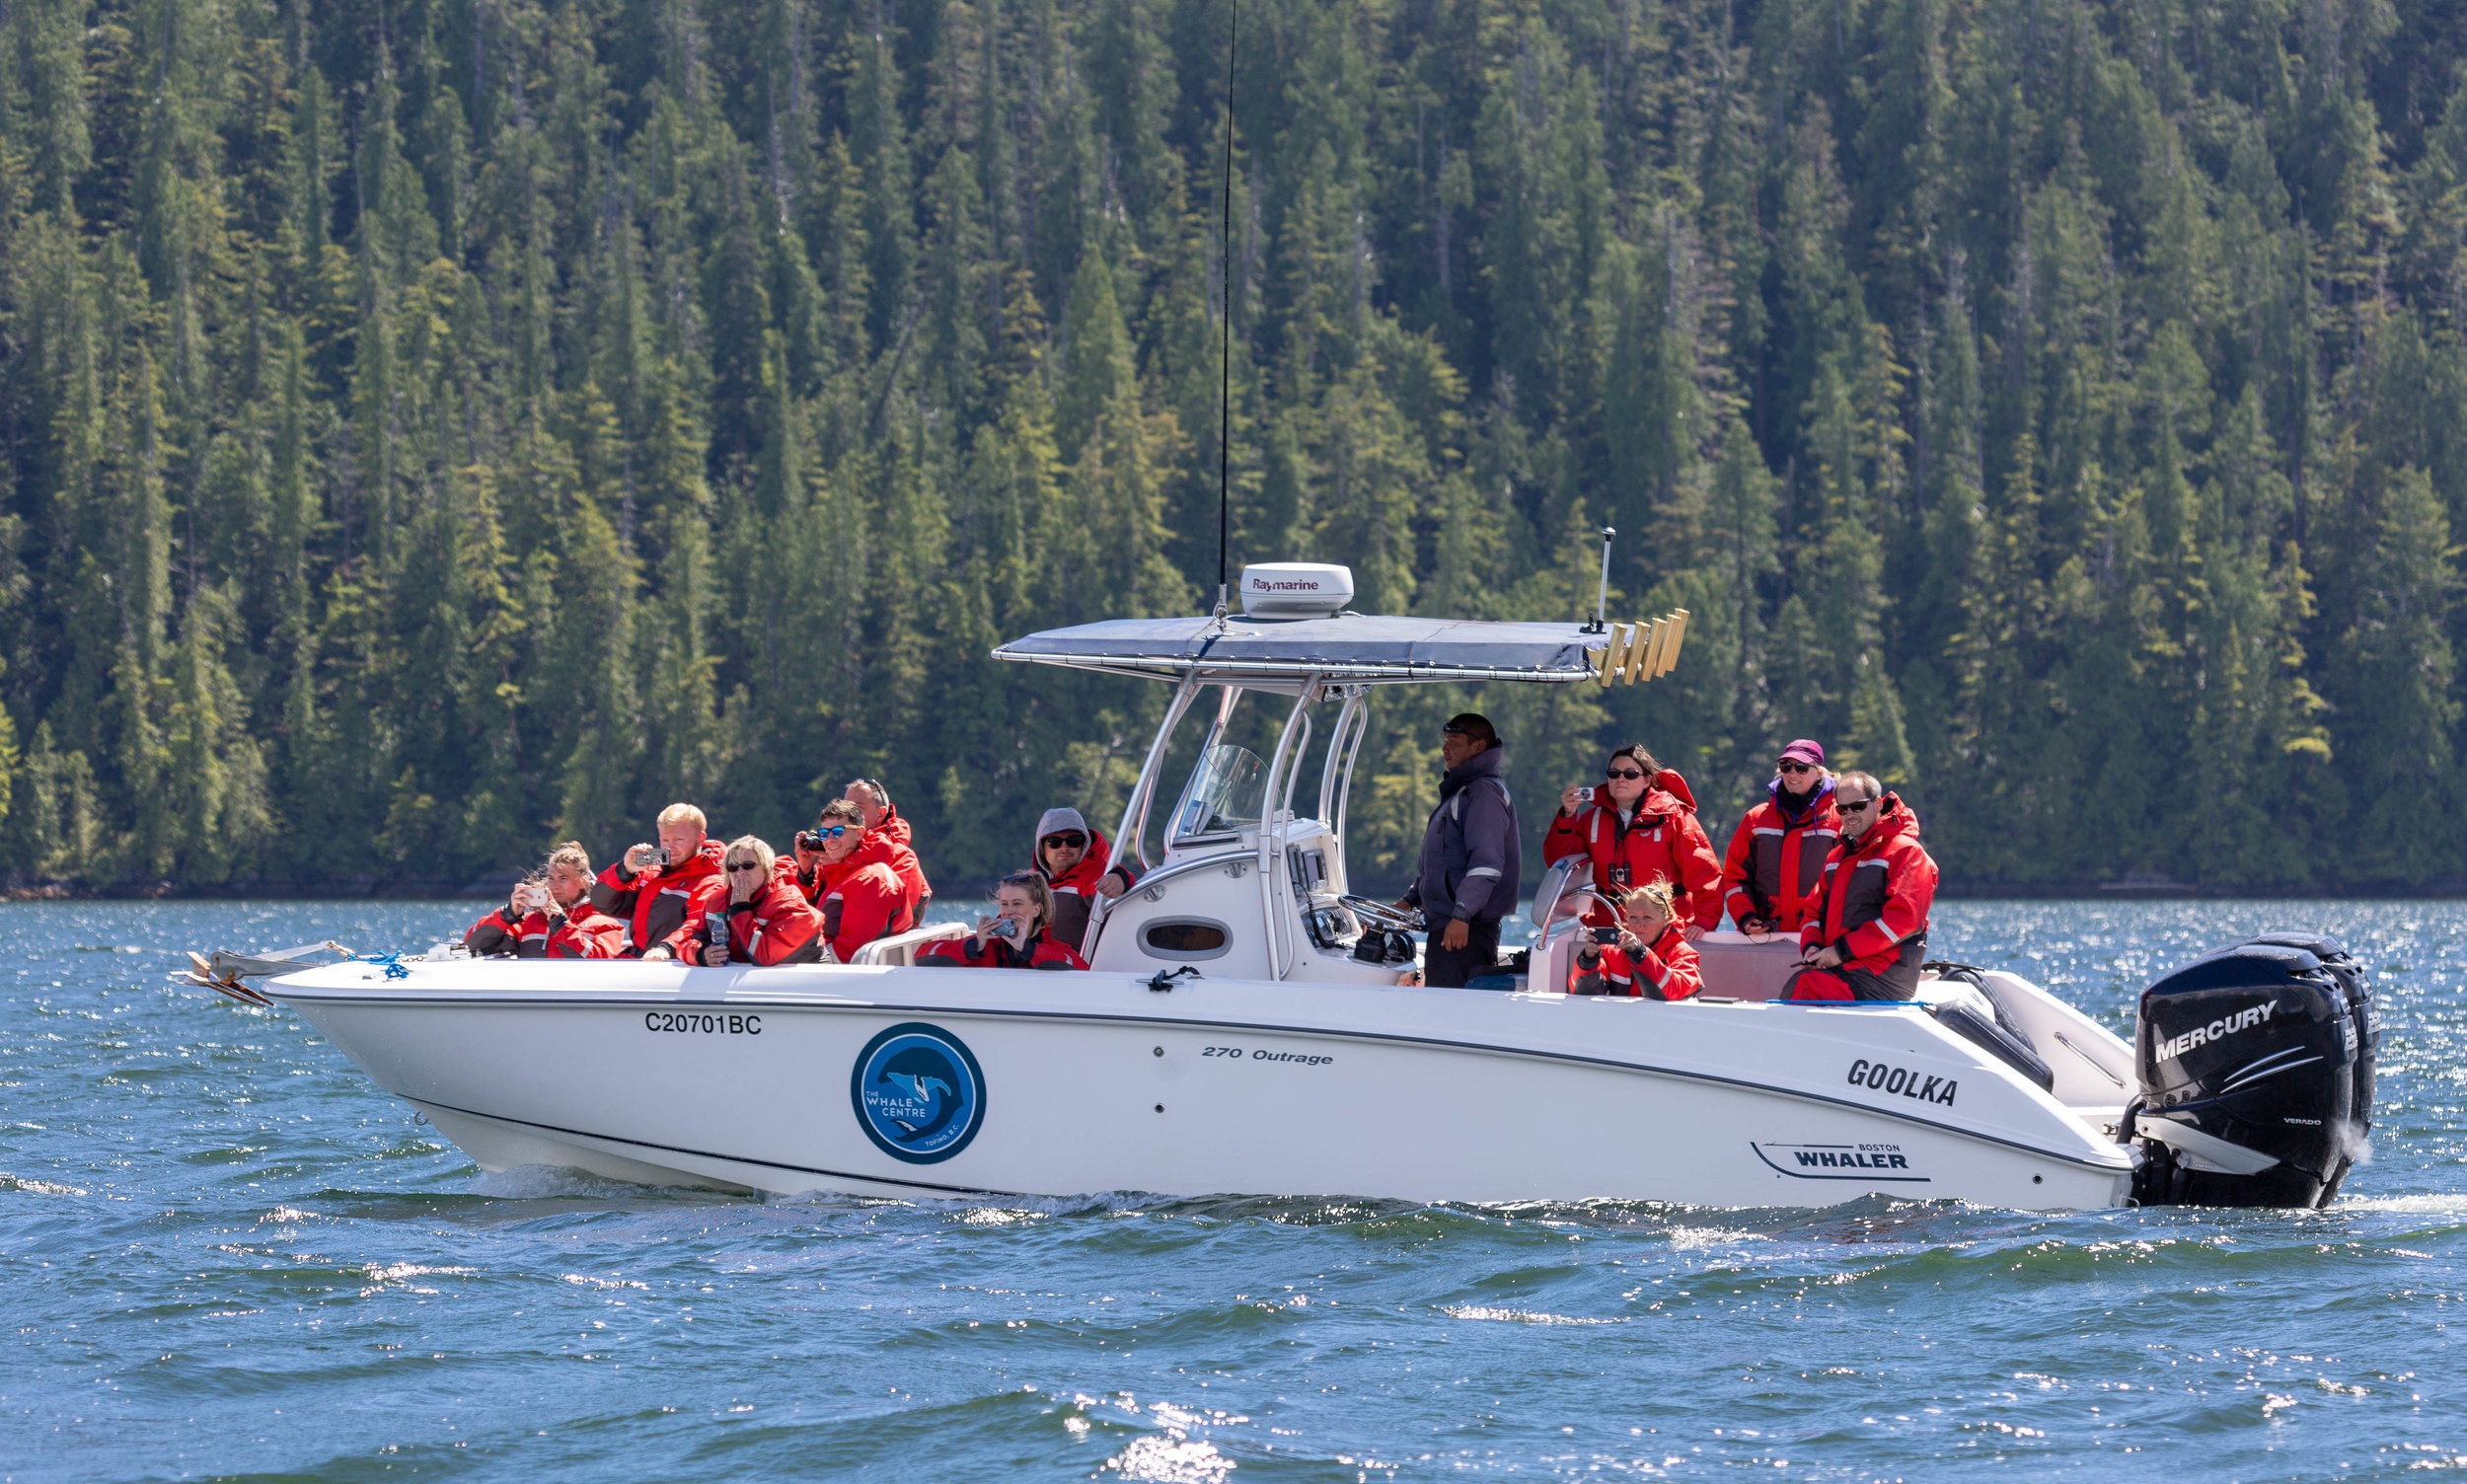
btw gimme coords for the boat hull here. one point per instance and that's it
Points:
(1060, 1084)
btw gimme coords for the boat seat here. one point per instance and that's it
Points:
(900, 948)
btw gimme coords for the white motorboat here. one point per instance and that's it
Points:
(1250, 1026)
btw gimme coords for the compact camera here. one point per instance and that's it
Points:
(1008, 927)
(1585, 793)
(809, 840)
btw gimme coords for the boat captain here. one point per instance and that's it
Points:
(1471, 860)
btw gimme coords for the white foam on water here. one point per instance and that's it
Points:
(38, 1187)
(1516, 1315)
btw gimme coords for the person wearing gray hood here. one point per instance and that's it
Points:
(1471, 860)
(1075, 862)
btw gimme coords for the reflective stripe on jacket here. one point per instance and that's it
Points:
(1878, 892)
(1471, 859)
(1660, 842)
(666, 907)
(1665, 971)
(1775, 866)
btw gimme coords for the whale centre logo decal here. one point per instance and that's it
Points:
(918, 1093)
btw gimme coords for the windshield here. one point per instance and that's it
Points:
(1226, 792)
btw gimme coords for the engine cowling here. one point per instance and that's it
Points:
(2256, 1071)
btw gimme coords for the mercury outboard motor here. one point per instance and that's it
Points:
(2256, 1071)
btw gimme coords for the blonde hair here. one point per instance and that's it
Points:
(756, 847)
(677, 813)
(570, 854)
(1034, 883)
(1654, 893)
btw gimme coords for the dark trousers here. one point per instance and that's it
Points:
(1450, 968)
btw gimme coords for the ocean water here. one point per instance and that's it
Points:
(223, 1254)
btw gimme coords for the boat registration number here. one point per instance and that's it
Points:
(1262, 1054)
(703, 1023)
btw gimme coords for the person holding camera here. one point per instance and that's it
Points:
(1644, 957)
(1074, 861)
(887, 832)
(1014, 938)
(550, 915)
(661, 891)
(766, 919)
(859, 896)
(1639, 826)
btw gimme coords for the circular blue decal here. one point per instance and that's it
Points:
(918, 1093)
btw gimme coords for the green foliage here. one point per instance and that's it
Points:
(430, 431)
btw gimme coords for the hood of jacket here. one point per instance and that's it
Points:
(1897, 822)
(1482, 764)
(1083, 876)
(1815, 805)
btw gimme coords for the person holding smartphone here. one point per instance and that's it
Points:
(767, 919)
(1013, 937)
(1646, 956)
(550, 915)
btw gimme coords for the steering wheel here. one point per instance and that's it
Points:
(1385, 916)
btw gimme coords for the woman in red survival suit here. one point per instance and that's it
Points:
(1773, 874)
(661, 891)
(1014, 938)
(769, 920)
(1645, 958)
(550, 915)
(1640, 827)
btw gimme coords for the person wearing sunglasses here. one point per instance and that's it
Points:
(1015, 936)
(1868, 935)
(1637, 826)
(887, 832)
(550, 915)
(769, 920)
(1777, 858)
(859, 896)
(1075, 864)
(661, 891)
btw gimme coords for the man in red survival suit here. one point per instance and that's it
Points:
(662, 891)
(1869, 934)
(860, 895)
(888, 833)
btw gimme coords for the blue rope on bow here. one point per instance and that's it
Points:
(391, 961)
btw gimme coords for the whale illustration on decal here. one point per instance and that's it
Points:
(918, 1094)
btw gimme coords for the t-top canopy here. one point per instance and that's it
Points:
(1349, 648)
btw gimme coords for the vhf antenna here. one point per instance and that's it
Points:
(1225, 363)
(1601, 596)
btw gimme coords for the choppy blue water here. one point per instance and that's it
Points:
(224, 1254)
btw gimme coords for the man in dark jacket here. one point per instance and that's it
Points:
(1471, 860)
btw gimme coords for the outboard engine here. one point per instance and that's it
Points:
(2256, 1066)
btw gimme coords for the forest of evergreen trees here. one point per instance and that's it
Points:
(430, 428)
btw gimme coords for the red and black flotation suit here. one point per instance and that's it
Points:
(1775, 866)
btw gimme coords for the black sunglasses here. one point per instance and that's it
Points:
(1856, 806)
(744, 865)
(1074, 839)
(1622, 773)
(1789, 766)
